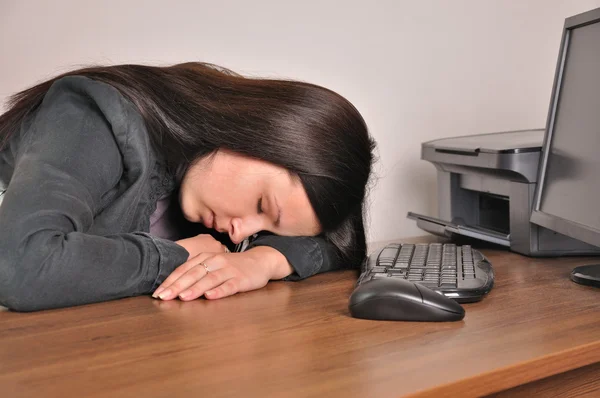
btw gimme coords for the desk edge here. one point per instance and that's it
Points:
(518, 374)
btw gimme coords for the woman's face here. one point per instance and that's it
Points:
(241, 196)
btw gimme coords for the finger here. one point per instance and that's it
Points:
(229, 288)
(179, 271)
(186, 280)
(182, 269)
(210, 281)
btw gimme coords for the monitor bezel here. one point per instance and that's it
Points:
(575, 230)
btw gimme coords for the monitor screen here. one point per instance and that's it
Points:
(568, 195)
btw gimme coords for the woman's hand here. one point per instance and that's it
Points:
(203, 243)
(224, 275)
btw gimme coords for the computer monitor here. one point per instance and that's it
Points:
(567, 198)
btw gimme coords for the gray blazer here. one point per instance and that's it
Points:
(81, 181)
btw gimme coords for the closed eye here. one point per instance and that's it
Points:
(259, 209)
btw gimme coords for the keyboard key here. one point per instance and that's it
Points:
(379, 276)
(394, 271)
(389, 253)
(428, 284)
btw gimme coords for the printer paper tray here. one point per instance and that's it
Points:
(448, 229)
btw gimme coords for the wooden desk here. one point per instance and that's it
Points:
(297, 339)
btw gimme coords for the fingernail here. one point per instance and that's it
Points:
(209, 293)
(183, 295)
(164, 294)
(157, 292)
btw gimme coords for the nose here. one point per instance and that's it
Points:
(241, 228)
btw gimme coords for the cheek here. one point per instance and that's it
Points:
(303, 215)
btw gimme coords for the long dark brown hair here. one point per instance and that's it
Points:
(193, 109)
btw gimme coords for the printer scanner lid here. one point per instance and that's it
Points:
(505, 142)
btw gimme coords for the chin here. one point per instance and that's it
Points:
(189, 216)
(186, 211)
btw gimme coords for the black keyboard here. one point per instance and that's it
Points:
(459, 272)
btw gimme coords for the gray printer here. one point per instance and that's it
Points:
(486, 185)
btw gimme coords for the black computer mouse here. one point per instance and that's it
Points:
(396, 299)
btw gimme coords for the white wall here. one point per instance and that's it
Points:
(417, 70)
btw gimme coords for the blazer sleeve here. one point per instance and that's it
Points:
(307, 255)
(67, 162)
